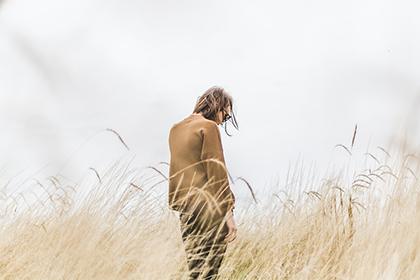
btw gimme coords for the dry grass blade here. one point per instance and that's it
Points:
(411, 171)
(365, 176)
(158, 171)
(359, 186)
(291, 202)
(286, 204)
(42, 186)
(249, 187)
(137, 187)
(390, 173)
(344, 147)
(119, 137)
(70, 187)
(372, 156)
(353, 201)
(97, 174)
(376, 175)
(316, 194)
(338, 188)
(158, 183)
(210, 199)
(362, 181)
(43, 226)
(54, 181)
(354, 136)
(230, 177)
(408, 156)
(383, 150)
(384, 166)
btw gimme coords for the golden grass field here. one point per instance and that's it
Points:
(367, 227)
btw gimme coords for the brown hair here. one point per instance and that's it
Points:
(213, 100)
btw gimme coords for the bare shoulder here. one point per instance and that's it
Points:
(207, 125)
(173, 126)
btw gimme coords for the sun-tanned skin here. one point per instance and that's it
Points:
(230, 222)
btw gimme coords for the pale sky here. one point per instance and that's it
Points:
(302, 74)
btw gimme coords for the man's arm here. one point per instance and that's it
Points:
(212, 152)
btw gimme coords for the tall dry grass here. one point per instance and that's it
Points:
(367, 227)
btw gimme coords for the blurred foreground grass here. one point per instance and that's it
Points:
(364, 228)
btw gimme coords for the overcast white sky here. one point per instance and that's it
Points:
(302, 74)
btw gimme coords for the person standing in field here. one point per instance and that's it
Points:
(198, 183)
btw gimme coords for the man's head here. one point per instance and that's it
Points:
(217, 105)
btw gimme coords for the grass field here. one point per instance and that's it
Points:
(367, 227)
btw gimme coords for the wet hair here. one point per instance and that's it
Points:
(212, 101)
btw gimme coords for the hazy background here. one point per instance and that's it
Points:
(302, 74)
